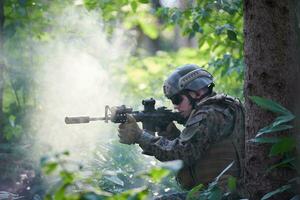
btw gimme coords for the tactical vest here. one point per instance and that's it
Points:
(219, 155)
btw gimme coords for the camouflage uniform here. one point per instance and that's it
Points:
(213, 137)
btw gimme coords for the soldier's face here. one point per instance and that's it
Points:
(184, 107)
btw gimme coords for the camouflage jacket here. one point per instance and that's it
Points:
(213, 137)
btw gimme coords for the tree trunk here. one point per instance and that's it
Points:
(1, 68)
(272, 67)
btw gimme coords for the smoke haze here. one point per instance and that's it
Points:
(76, 79)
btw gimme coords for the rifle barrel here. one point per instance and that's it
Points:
(83, 119)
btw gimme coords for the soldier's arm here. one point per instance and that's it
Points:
(171, 132)
(208, 130)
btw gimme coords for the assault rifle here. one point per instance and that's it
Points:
(151, 117)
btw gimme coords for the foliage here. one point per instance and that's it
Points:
(68, 179)
(9, 195)
(214, 191)
(25, 25)
(151, 71)
(11, 153)
(117, 168)
(279, 190)
(284, 146)
(217, 25)
(73, 185)
(130, 13)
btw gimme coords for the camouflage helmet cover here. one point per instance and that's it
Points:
(187, 77)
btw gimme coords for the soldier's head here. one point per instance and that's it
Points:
(187, 85)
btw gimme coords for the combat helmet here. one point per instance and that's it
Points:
(187, 77)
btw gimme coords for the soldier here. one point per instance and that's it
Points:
(213, 135)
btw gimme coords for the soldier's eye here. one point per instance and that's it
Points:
(176, 99)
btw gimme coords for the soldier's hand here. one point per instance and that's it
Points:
(171, 132)
(129, 132)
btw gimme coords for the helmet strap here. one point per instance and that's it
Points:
(192, 101)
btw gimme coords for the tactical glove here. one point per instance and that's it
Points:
(171, 132)
(129, 132)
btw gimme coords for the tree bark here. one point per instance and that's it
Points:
(2, 17)
(272, 70)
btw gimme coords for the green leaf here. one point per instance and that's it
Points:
(66, 153)
(279, 190)
(175, 17)
(143, 195)
(194, 192)
(162, 11)
(149, 29)
(12, 131)
(90, 4)
(231, 35)
(265, 140)
(196, 27)
(134, 194)
(215, 194)
(226, 27)
(283, 119)
(282, 163)
(232, 183)
(219, 30)
(115, 179)
(93, 196)
(224, 171)
(133, 5)
(284, 145)
(270, 105)
(157, 174)
(187, 31)
(60, 193)
(271, 129)
(144, 1)
(192, 34)
(50, 167)
(48, 197)
(67, 177)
